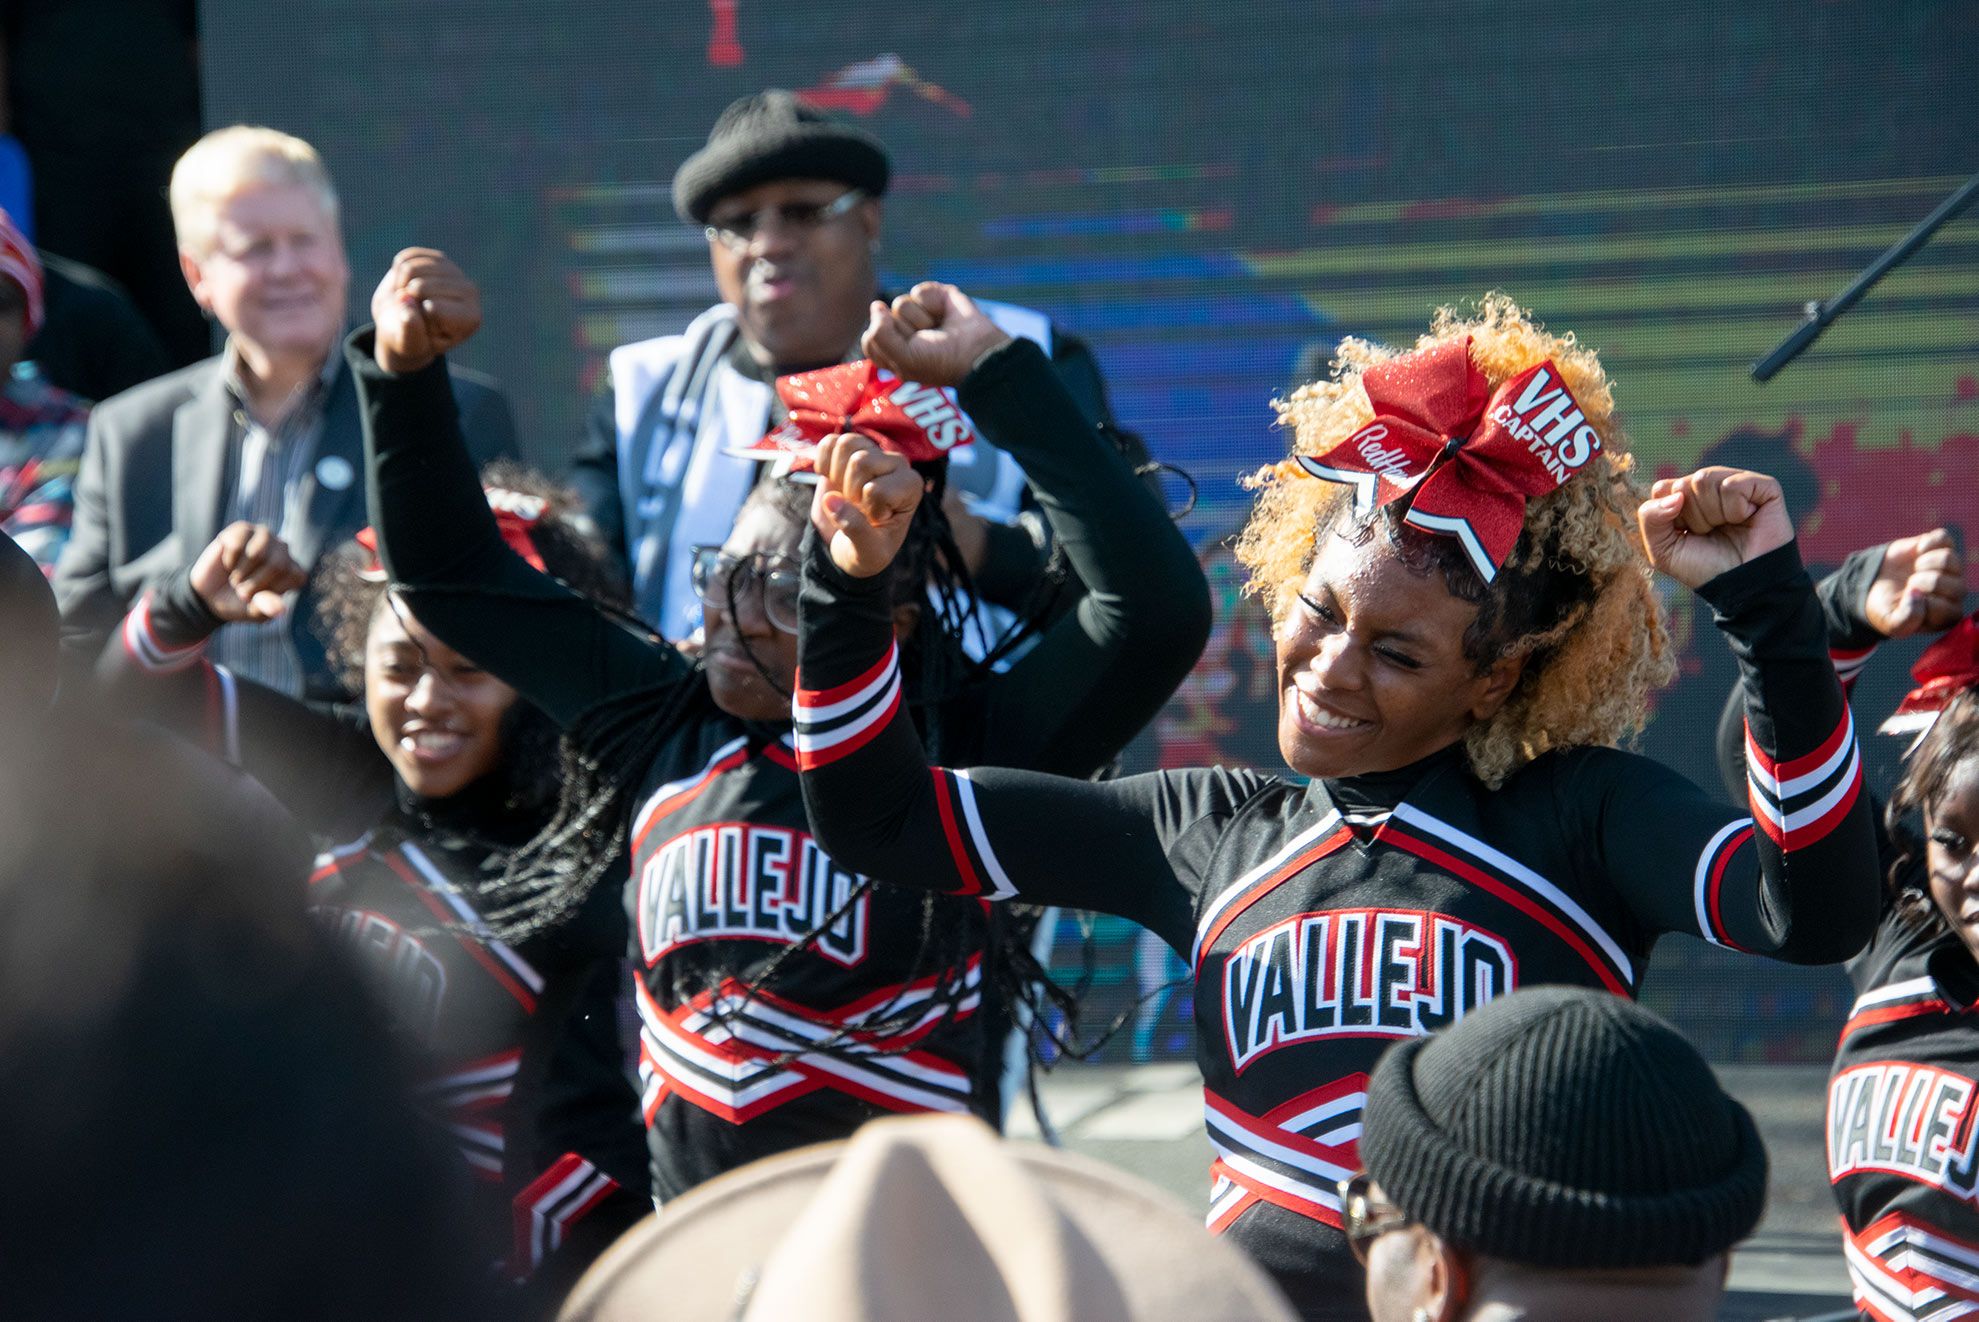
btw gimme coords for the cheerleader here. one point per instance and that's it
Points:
(419, 797)
(784, 999)
(1903, 1145)
(1458, 567)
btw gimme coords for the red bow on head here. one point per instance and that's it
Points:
(516, 516)
(1948, 668)
(1471, 463)
(917, 422)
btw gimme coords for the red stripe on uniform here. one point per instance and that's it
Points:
(808, 760)
(1796, 766)
(1812, 833)
(1238, 1206)
(1725, 852)
(1276, 1196)
(1884, 1014)
(687, 796)
(1263, 886)
(973, 885)
(1524, 904)
(820, 697)
(475, 950)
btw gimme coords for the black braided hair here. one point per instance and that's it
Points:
(1952, 740)
(606, 755)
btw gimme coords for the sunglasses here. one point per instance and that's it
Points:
(1365, 1218)
(737, 232)
(720, 578)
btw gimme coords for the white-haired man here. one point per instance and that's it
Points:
(266, 433)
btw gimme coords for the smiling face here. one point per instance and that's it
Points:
(436, 715)
(1371, 667)
(275, 274)
(800, 292)
(1951, 852)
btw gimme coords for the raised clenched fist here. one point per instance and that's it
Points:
(933, 334)
(1697, 527)
(865, 503)
(245, 573)
(1920, 585)
(423, 308)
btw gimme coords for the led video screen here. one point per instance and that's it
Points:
(1212, 195)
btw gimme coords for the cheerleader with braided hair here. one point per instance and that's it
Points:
(783, 997)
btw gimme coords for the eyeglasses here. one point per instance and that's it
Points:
(1365, 1218)
(719, 579)
(737, 232)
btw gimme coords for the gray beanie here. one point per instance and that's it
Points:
(773, 135)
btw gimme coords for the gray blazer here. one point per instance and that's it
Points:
(152, 493)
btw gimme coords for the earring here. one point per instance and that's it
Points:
(1421, 1315)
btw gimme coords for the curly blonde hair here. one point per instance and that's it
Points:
(1591, 666)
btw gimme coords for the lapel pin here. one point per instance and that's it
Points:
(335, 472)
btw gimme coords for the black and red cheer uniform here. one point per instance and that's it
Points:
(1325, 920)
(511, 1049)
(1903, 1097)
(726, 874)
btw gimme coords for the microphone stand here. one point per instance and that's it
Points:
(1820, 314)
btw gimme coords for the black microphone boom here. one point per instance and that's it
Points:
(1820, 314)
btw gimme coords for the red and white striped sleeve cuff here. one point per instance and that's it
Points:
(143, 645)
(836, 722)
(1797, 802)
(977, 867)
(1849, 663)
(550, 1205)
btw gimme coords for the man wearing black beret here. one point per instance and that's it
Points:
(790, 200)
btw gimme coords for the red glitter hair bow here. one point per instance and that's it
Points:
(919, 423)
(1471, 463)
(516, 516)
(1948, 668)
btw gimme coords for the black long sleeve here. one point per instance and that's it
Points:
(1843, 597)
(439, 542)
(1796, 880)
(1099, 674)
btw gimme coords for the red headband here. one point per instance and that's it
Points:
(919, 423)
(1948, 668)
(1472, 464)
(516, 516)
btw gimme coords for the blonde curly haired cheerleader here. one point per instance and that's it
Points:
(1457, 564)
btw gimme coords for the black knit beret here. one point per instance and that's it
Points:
(1561, 1127)
(773, 135)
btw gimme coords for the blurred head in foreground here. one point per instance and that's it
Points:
(195, 1113)
(929, 1217)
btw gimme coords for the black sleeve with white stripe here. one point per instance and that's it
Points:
(1132, 847)
(1795, 876)
(1852, 640)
